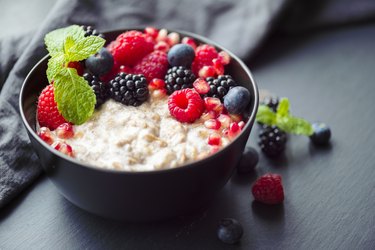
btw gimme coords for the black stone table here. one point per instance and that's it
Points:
(328, 76)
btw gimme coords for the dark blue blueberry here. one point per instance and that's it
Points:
(322, 134)
(181, 55)
(100, 63)
(248, 160)
(229, 231)
(236, 100)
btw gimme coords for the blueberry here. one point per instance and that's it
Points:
(181, 55)
(100, 63)
(248, 160)
(236, 100)
(229, 231)
(321, 135)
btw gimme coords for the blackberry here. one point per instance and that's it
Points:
(178, 77)
(100, 88)
(272, 102)
(129, 89)
(90, 31)
(220, 86)
(272, 140)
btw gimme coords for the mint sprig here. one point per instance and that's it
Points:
(74, 97)
(283, 119)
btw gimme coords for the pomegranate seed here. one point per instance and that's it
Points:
(162, 46)
(65, 131)
(218, 66)
(173, 38)
(235, 117)
(225, 132)
(201, 86)
(224, 57)
(212, 124)
(159, 93)
(214, 139)
(213, 104)
(156, 83)
(207, 71)
(46, 135)
(162, 35)
(189, 41)
(151, 31)
(209, 115)
(63, 148)
(241, 124)
(234, 130)
(214, 149)
(224, 120)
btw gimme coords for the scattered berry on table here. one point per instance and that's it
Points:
(100, 63)
(177, 78)
(65, 131)
(272, 140)
(46, 135)
(100, 88)
(181, 55)
(154, 65)
(204, 54)
(220, 86)
(185, 105)
(321, 135)
(129, 89)
(268, 189)
(248, 161)
(63, 148)
(229, 231)
(237, 99)
(78, 66)
(90, 31)
(47, 112)
(272, 102)
(130, 47)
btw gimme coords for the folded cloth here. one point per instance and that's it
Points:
(237, 25)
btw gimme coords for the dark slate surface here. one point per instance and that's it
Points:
(330, 198)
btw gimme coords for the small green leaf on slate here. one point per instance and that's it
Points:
(265, 115)
(283, 107)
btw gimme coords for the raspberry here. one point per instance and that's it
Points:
(130, 47)
(154, 65)
(204, 54)
(268, 189)
(185, 105)
(48, 115)
(78, 66)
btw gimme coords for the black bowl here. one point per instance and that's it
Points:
(138, 196)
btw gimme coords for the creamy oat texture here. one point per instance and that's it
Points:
(143, 138)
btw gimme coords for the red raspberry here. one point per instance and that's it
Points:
(154, 65)
(204, 54)
(268, 189)
(78, 66)
(130, 47)
(185, 105)
(48, 115)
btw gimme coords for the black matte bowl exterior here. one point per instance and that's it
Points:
(137, 196)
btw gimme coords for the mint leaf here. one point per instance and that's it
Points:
(82, 48)
(283, 107)
(265, 115)
(74, 97)
(294, 125)
(55, 39)
(54, 66)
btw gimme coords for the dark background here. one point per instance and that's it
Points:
(328, 75)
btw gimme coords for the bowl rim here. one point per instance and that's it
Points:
(148, 172)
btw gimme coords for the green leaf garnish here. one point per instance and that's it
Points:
(74, 97)
(283, 119)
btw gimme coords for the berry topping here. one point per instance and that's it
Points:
(212, 124)
(65, 131)
(100, 88)
(181, 55)
(224, 57)
(214, 139)
(129, 89)
(100, 63)
(156, 84)
(204, 54)
(46, 135)
(248, 161)
(321, 135)
(152, 32)
(90, 31)
(63, 148)
(154, 65)
(185, 105)
(47, 113)
(78, 66)
(220, 86)
(130, 47)
(234, 130)
(178, 78)
(224, 120)
(213, 104)
(201, 86)
(207, 71)
(229, 231)
(268, 189)
(189, 41)
(272, 140)
(236, 100)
